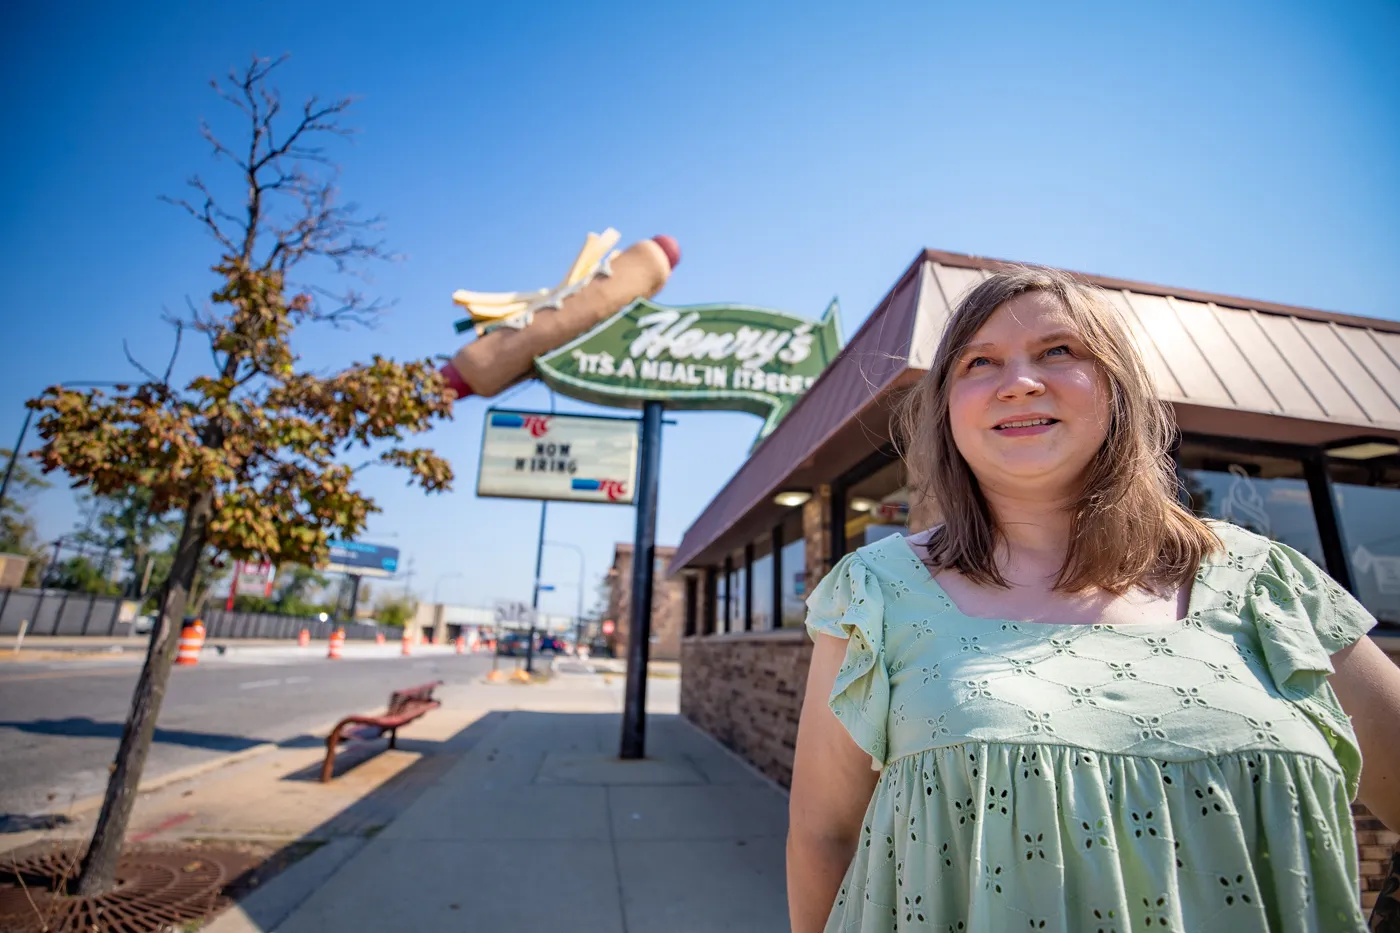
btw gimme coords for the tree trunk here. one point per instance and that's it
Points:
(98, 873)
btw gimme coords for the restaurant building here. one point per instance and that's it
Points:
(1289, 425)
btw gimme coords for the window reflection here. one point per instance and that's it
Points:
(722, 599)
(794, 570)
(1266, 495)
(738, 571)
(762, 584)
(1368, 506)
(877, 506)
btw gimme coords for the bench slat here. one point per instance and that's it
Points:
(404, 707)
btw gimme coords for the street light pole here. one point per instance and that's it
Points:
(535, 599)
(578, 619)
(14, 456)
(445, 576)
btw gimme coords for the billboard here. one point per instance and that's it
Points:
(364, 560)
(253, 578)
(569, 458)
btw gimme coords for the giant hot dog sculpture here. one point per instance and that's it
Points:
(513, 328)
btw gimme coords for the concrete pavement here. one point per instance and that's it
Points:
(528, 822)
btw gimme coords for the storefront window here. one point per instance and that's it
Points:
(763, 584)
(736, 588)
(877, 506)
(722, 599)
(794, 570)
(1367, 494)
(1267, 495)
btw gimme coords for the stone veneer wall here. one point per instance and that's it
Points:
(746, 690)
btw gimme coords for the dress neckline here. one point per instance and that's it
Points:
(927, 578)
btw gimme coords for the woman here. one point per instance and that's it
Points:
(1073, 705)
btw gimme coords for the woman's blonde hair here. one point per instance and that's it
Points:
(1128, 528)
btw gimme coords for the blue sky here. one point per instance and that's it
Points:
(795, 150)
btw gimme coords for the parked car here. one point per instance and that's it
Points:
(551, 645)
(513, 644)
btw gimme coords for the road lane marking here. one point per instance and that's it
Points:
(255, 684)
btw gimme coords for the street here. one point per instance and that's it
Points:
(60, 722)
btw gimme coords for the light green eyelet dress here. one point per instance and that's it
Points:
(1193, 776)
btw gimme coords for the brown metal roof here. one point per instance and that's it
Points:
(1229, 365)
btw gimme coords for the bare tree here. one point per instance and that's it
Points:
(250, 454)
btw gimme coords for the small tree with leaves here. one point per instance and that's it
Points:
(251, 454)
(395, 611)
(126, 527)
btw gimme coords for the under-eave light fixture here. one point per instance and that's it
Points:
(862, 504)
(1363, 448)
(791, 498)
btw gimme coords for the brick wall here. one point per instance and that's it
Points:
(746, 690)
(1375, 844)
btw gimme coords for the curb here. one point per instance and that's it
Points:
(195, 770)
(269, 906)
(179, 774)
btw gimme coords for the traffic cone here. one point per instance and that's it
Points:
(304, 639)
(379, 638)
(337, 643)
(188, 653)
(407, 645)
(461, 645)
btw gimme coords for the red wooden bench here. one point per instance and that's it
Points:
(404, 707)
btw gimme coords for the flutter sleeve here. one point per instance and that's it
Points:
(1303, 617)
(847, 604)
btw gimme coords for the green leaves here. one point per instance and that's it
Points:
(264, 437)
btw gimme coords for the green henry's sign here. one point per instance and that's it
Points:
(699, 357)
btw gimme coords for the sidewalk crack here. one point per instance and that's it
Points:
(617, 865)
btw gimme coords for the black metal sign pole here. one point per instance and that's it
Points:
(643, 560)
(535, 599)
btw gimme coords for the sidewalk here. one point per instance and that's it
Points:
(528, 822)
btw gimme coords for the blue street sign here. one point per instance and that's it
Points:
(546, 587)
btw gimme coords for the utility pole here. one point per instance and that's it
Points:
(578, 618)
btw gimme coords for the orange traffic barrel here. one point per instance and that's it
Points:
(379, 638)
(190, 642)
(461, 645)
(407, 645)
(337, 643)
(304, 638)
